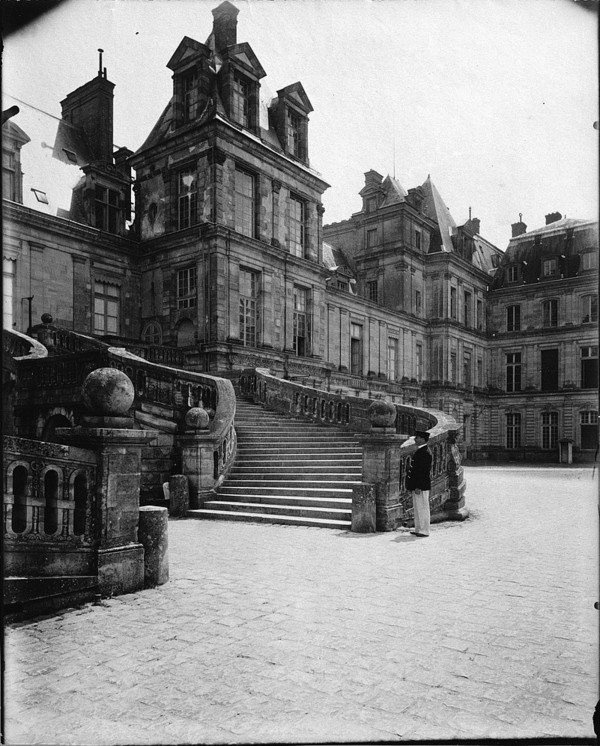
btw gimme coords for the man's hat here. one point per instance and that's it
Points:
(422, 434)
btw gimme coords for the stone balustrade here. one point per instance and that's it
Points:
(19, 346)
(163, 395)
(49, 507)
(386, 449)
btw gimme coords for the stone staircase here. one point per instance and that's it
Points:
(287, 471)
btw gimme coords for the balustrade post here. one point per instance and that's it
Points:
(455, 504)
(197, 455)
(108, 395)
(381, 465)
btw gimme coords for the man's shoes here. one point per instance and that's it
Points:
(414, 533)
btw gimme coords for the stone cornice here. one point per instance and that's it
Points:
(62, 227)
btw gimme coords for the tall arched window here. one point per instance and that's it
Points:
(19, 488)
(80, 498)
(51, 500)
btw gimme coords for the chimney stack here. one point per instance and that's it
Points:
(373, 179)
(225, 26)
(519, 228)
(552, 217)
(90, 107)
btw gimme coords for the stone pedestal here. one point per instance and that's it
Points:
(179, 495)
(154, 537)
(381, 468)
(363, 509)
(117, 503)
(198, 465)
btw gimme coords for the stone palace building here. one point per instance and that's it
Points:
(207, 246)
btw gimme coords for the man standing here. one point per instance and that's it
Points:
(418, 481)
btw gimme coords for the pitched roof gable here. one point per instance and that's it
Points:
(435, 208)
(243, 54)
(187, 49)
(394, 191)
(295, 92)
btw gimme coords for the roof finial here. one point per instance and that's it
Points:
(100, 62)
(520, 217)
(469, 212)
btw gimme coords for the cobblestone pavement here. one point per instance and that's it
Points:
(274, 633)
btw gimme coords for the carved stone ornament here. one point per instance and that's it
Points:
(108, 391)
(197, 418)
(382, 414)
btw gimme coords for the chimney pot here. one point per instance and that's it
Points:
(225, 25)
(518, 228)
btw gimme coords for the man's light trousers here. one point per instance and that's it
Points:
(420, 500)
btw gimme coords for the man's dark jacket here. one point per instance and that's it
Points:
(418, 477)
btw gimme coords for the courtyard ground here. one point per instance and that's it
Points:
(285, 634)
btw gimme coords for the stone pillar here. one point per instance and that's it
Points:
(108, 394)
(197, 455)
(179, 495)
(363, 509)
(154, 537)
(381, 465)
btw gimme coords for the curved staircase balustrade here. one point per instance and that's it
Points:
(19, 346)
(56, 381)
(447, 495)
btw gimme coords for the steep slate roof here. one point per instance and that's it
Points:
(51, 161)
(394, 191)
(215, 106)
(560, 240)
(435, 208)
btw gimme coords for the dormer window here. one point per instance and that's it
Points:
(288, 115)
(549, 267)
(107, 209)
(9, 175)
(240, 100)
(13, 139)
(190, 96)
(371, 204)
(187, 198)
(293, 132)
(512, 273)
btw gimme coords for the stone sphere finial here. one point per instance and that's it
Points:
(47, 318)
(382, 413)
(108, 392)
(197, 418)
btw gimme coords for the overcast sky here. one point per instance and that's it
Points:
(496, 99)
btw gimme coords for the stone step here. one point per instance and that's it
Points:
(331, 450)
(292, 439)
(300, 511)
(340, 460)
(291, 482)
(338, 503)
(289, 520)
(234, 489)
(269, 474)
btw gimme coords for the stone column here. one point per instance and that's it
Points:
(108, 394)
(197, 455)
(381, 466)
(153, 534)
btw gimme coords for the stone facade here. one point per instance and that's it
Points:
(227, 259)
